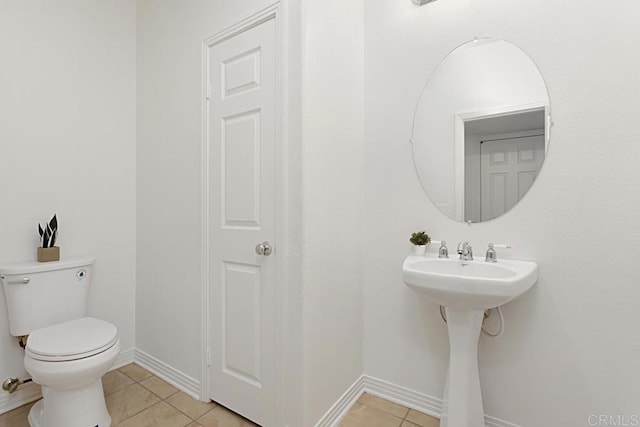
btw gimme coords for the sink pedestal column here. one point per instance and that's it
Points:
(462, 396)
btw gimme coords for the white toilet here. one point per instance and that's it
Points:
(67, 353)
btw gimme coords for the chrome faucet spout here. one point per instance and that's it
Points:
(465, 251)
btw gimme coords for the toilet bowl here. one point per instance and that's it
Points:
(68, 360)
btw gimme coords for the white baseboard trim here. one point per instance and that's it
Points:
(395, 393)
(171, 375)
(403, 396)
(342, 406)
(496, 422)
(124, 358)
(29, 392)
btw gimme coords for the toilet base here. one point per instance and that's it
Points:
(83, 407)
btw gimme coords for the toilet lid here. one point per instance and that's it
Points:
(72, 340)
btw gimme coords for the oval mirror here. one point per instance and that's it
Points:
(481, 130)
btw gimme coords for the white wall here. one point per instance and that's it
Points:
(570, 346)
(67, 145)
(332, 144)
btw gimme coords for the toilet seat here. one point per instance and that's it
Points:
(74, 340)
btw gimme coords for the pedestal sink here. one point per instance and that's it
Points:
(466, 289)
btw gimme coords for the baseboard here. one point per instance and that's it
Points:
(403, 396)
(496, 422)
(394, 393)
(29, 392)
(124, 358)
(171, 375)
(342, 406)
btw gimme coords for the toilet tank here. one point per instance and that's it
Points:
(40, 294)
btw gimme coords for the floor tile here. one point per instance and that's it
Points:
(362, 415)
(159, 387)
(222, 417)
(16, 417)
(384, 405)
(159, 415)
(186, 404)
(135, 372)
(129, 401)
(114, 381)
(423, 420)
(408, 424)
(194, 424)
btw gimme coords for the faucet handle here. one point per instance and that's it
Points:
(500, 245)
(491, 255)
(443, 252)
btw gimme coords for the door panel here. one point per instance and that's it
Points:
(508, 168)
(241, 169)
(241, 322)
(242, 214)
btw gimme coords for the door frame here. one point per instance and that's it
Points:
(462, 117)
(273, 12)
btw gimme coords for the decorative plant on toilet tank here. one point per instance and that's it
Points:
(48, 251)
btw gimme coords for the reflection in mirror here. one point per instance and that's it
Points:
(480, 131)
(502, 157)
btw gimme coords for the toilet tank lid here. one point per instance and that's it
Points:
(37, 267)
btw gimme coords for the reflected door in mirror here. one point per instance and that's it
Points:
(508, 168)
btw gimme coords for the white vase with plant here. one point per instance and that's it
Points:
(48, 251)
(420, 240)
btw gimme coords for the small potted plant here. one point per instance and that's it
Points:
(48, 251)
(420, 239)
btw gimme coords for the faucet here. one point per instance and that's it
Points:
(465, 251)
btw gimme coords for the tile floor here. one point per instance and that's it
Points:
(136, 398)
(372, 411)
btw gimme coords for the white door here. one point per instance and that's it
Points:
(508, 168)
(242, 214)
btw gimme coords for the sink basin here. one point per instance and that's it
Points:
(470, 285)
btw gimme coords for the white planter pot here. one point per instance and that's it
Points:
(420, 250)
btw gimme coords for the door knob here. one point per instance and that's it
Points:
(264, 248)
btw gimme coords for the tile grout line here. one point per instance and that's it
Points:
(403, 419)
(134, 382)
(187, 415)
(161, 399)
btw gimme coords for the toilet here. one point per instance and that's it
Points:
(66, 352)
